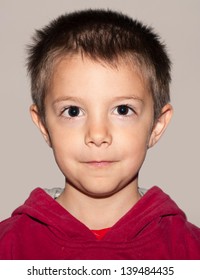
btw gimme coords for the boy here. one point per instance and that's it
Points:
(100, 87)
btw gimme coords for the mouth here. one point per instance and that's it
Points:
(99, 164)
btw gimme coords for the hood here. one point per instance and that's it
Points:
(154, 206)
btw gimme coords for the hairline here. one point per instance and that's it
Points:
(135, 60)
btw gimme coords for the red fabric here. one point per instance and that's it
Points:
(155, 228)
(99, 233)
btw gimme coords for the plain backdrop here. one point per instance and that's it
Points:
(26, 161)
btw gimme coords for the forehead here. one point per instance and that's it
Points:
(81, 75)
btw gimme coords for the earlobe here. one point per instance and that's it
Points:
(160, 125)
(38, 122)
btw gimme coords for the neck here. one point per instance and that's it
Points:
(98, 213)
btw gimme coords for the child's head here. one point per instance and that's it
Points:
(100, 86)
(102, 36)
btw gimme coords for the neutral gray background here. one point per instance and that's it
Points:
(26, 161)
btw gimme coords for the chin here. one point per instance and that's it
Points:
(100, 193)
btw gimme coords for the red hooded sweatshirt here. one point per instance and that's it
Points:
(155, 228)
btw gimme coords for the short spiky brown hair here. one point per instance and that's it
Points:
(101, 35)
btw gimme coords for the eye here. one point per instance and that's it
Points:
(72, 112)
(124, 110)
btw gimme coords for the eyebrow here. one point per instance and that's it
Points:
(66, 98)
(132, 97)
(78, 99)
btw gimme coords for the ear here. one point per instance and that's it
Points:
(160, 125)
(39, 123)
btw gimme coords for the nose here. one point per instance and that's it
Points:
(98, 134)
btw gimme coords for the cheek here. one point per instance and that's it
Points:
(62, 137)
(63, 147)
(64, 150)
(133, 148)
(134, 139)
(135, 152)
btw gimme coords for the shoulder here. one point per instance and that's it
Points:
(9, 229)
(181, 237)
(14, 229)
(9, 225)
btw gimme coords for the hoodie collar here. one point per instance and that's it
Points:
(154, 205)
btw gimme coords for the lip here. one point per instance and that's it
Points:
(99, 164)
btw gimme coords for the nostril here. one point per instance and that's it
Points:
(98, 138)
(98, 142)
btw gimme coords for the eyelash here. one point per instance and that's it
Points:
(67, 108)
(127, 107)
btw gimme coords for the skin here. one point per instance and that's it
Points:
(101, 142)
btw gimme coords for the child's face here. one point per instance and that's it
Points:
(99, 123)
